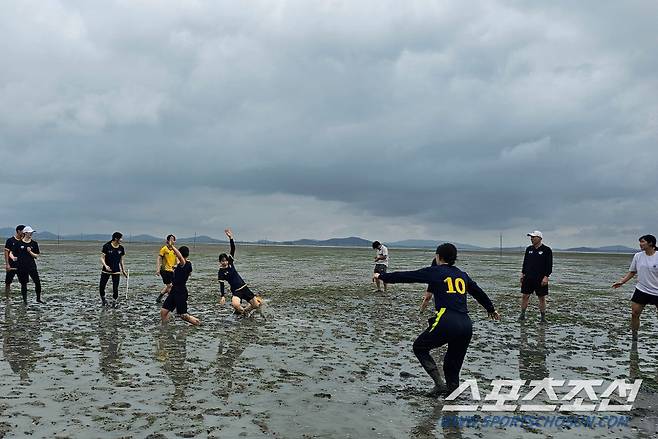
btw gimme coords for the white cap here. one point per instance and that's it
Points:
(536, 233)
(28, 229)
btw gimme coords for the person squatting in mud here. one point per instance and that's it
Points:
(239, 288)
(451, 324)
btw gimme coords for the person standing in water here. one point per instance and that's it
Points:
(645, 265)
(112, 255)
(25, 253)
(381, 261)
(537, 267)
(164, 266)
(10, 265)
(451, 325)
(239, 288)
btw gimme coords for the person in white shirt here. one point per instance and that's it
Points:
(645, 265)
(381, 262)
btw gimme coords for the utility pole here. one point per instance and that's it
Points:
(501, 244)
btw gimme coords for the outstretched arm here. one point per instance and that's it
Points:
(423, 276)
(482, 298)
(624, 279)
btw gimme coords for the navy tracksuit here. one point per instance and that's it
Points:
(451, 324)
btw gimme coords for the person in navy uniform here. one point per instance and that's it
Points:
(537, 267)
(451, 324)
(10, 265)
(112, 255)
(177, 298)
(239, 288)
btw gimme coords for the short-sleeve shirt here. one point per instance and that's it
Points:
(113, 256)
(25, 260)
(9, 245)
(646, 268)
(382, 251)
(181, 275)
(168, 258)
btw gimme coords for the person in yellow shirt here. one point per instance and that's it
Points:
(165, 263)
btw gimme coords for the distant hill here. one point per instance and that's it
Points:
(606, 249)
(424, 243)
(352, 241)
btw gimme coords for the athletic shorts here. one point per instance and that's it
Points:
(244, 294)
(9, 276)
(530, 285)
(380, 268)
(643, 298)
(177, 300)
(167, 276)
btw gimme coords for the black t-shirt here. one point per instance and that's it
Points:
(113, 257)
(25, 260)
(9, 245)
(231, 275)
(537, 262)
(181, 275)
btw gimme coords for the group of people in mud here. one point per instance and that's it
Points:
(446, 284)
(172, 265)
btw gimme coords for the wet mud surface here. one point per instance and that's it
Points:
(331, 358)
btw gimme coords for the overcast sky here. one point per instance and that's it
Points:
(389, 120)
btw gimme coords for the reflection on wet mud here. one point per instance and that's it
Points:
(110, 340)
(21, 332)
(171, 352)
(532, 356)
(433, 422)
(229, 351)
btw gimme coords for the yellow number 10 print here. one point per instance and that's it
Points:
(458, 286)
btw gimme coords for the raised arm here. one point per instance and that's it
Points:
(229, 235)
(181, 259)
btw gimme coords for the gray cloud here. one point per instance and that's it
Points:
(450, 120)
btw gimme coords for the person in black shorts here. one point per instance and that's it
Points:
(25, 254)
(451, 325)
(112, 255)
(537, 267)
(645, 265)
(381, 261)
(239, 288)
(177, 298)
(10, 265)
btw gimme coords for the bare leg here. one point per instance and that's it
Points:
(636, 312)
(378, 286)
(237, 306)
(525, 300)
(164, 315)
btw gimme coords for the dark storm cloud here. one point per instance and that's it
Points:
(467, 117)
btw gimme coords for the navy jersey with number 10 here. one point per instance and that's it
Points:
(449, 286)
